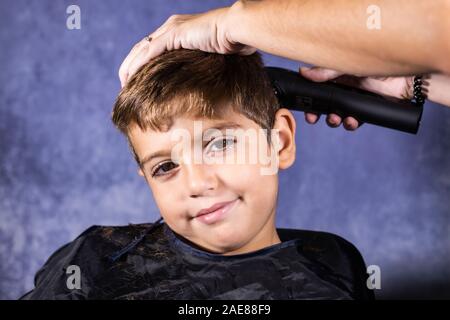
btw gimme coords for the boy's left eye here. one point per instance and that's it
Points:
(221, 143)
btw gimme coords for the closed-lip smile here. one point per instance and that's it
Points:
(214, 213)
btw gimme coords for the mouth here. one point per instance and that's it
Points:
(215, 213)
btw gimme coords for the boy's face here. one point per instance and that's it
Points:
(209, 166)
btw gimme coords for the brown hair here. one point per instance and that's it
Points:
(198, 84)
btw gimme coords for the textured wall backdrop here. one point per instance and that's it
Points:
(63, 167)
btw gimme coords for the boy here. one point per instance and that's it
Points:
(208, 136)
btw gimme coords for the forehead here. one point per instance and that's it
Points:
(187, 122)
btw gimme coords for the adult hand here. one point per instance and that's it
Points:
(398, 87)
(189, 31)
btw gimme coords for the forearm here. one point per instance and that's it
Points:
(438, 89)
(413, 36)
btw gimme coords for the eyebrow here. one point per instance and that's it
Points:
(165, 153)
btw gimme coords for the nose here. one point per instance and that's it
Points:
(200, 179)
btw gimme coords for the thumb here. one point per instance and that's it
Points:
(319, 74)
(246, 50)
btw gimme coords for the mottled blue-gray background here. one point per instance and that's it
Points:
(63, 167)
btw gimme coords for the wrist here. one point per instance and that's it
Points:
(419, 97)
(437, 88)
(417, 88)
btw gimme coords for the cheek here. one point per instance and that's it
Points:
(168, 206)
(264, 193)
(246, 180)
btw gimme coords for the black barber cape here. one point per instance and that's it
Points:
(150, 261)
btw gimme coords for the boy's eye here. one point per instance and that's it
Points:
(221, 143)
(163, 168)
(215, 145)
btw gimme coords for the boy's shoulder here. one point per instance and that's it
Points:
(114, 235)
(332, 252)
(320, 244)
(90, 251)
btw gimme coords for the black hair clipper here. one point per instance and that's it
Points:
(297, 93)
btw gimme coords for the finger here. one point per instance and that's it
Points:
(311, 118)
(351, 124)
(333, 120)
(135, 64)
(247, 50)
(123, 70)
(160, 31)
(156, 47)
(319, 74)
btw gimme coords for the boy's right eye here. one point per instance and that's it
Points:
(163, 168)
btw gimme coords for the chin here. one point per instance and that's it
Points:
(230, 243)
(225, 250)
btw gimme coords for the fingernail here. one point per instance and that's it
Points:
(310, 119)
(332, 120)
(304, 69)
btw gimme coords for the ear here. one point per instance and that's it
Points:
(284, 141)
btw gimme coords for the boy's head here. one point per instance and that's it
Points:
(195, 122)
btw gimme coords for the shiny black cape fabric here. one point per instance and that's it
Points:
(163, 265)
